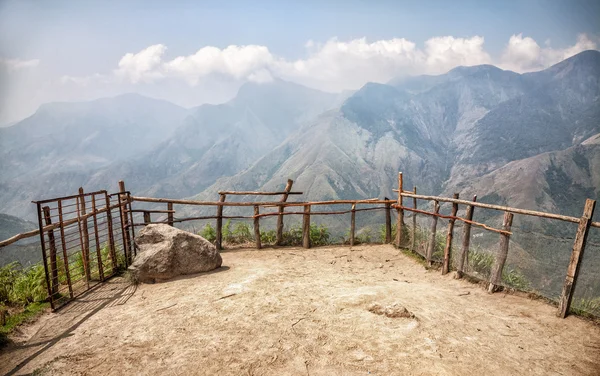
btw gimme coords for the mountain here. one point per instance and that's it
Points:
(156, 147)
(24, 251)
(54, 151)
(446, 133)
(222, 140)
(82, 136)
(10, 225)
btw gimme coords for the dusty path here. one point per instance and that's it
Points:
(305, 312)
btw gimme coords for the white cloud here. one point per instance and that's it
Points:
(334, 65)
(18, 64)
(445, 53)
(143, 66)
(239, 62)
(523, 54)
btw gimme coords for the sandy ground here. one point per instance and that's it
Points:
(292, 311)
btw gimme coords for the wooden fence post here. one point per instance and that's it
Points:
(414, 222)
(123, 200)
(97, 239)
(64, 246)
(431, 246)
(257, 227)
(576, 256)
(496, 275)
(352, 224)
(52, 245)
(219, 237)
(111, 238)
(449, 236)
(284, 197)
(85, 236)
(464, 252)
(306, 227)
(400, 211)
(170, 214)
(388, 221)
(147, 218)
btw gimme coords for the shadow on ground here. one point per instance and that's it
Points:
(114, 292)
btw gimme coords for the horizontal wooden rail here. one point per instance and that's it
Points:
(258, 203)
(456, 218)
(248, 193)
(56, 225)
(534, 213)
(18, 237)
(150, 211)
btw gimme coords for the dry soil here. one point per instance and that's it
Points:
(292, 311)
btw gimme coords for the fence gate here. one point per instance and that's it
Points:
(85, 240)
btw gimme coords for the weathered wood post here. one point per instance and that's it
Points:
(64, 247)
(576, 256)
(123, 201)
(170, 214)
(257, 227)
(496, 275)
(111, 238)
(147, 218)
(388, 221)
(352, 224)
(400, 211)
(97, 239)
(52, 249)
(306, 227)
(449, 236)
(414, 222)
(464, 251)
(284, 197)
(84, 235)
(431, 246)
(219, 231)
(40, 214)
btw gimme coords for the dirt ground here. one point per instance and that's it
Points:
(292, 311)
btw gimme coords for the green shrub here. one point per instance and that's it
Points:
(394, 231)
(30, 286)
(481, 262)
(8, 276)
(319, 235)
(515, 279)
(268, 237)
(241, 233)
(586, 307)
(209, 233)
(226, 232)
(293, 236)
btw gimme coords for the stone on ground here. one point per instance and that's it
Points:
(164, 252)
(393, 311)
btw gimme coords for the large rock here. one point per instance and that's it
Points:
(165, 252)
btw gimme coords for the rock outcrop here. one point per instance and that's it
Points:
(165, 252)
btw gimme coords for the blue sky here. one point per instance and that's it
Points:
(71, 50)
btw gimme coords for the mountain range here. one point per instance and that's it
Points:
(528, 140)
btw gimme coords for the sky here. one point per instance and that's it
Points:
(194, 52)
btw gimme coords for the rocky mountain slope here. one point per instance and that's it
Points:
(447, 133)
(463, 131)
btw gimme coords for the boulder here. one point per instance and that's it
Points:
(164, 252)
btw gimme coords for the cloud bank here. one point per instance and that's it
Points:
(18, 64)
(334, 65)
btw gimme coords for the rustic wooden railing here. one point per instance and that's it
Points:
(306, 211)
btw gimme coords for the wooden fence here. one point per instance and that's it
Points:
(305, 209)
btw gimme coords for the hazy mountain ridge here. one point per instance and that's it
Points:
(456, 128)
(444, 132)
